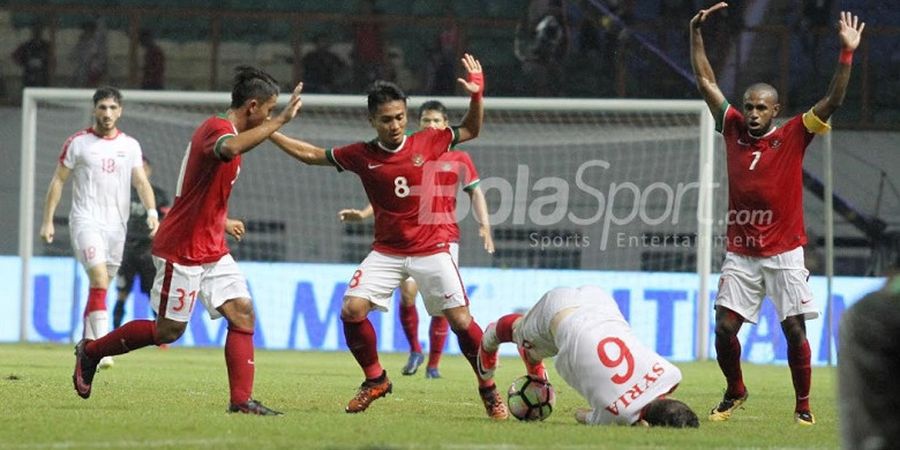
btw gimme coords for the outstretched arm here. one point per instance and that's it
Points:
(850, 33)
(249, 139)
(471, 123)
(54, 192)
(703, 72)
(301, 151)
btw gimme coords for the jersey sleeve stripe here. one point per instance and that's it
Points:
(329, 155)
(217, 149)
(720, 119)
(471, 186)
(455, 132)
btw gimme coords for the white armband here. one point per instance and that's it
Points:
(152, 213)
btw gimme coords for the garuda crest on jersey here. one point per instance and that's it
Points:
(418, 160)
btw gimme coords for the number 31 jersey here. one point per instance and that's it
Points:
(399, 184)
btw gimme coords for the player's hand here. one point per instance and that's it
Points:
(701, 16)
(475, 82)
(350, 215)
(290, 110)
(153, 225)
(850, 30)
(582, 414)
(47, 232)
(235, 228)
(485, 233)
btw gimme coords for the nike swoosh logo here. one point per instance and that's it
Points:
(448, 295)
(372, 166)
(741, 142)
(250, 361)
(803, 302)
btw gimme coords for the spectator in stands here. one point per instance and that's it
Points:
(541, 44)
(34, 57)
(90, 54)
(440, 67)
(154, 62)
(323, 71)
(398, 72)
(813, 24)
(868, 361)
(368, 47)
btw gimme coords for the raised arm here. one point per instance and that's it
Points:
(301, 151)
(471, 123)
(703, 72)
(249, 139)
(54, 192)
(145, 191)
(479, 206)
(850, 33)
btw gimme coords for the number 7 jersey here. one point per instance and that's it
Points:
(399, 185)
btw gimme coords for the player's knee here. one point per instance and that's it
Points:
(168, 332)
(458, 318)
(354, 309)
(794, 333)
(240, 313)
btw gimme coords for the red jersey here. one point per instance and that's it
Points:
(393, 180)
(453, 168)
(193, 231)
(765, 185)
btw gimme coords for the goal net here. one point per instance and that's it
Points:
(570, 184)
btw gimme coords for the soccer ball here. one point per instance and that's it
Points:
(530, 399)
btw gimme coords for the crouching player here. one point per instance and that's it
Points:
(597, 354)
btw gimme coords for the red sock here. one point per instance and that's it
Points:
(437, 336)
(504, 327)
(728, 353)
(131, 336)
(239, 360)
(96, 301)
(469, 341)
(409, 319)
(364, 345)
(801, 373)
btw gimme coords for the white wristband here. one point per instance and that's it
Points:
(152, 213)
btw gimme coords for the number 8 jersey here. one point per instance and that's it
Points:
(400, 186)
(597, 354)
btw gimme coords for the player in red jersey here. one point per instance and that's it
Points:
(191, 258)
(765, 214)
(456, 168)
(409, 238)
(103, 163)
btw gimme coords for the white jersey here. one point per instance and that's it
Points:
(101, 178)
(597, 354)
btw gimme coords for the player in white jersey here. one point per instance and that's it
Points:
(104, 163)
(597, 354)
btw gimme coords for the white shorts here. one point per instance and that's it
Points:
(436, 276)
(176, 287)
(747, 280)
(94, 245)
(454, 253)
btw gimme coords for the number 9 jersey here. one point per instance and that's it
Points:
(597, 354)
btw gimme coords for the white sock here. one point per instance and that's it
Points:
(96, 324)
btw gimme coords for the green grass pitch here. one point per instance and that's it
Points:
(176, 399)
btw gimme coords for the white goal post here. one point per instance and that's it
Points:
(516, 123)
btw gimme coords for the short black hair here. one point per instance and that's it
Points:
(252, 83)
(105, 92)
(382, 92)
(433, 105)
(667, 412)
(763, 87)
